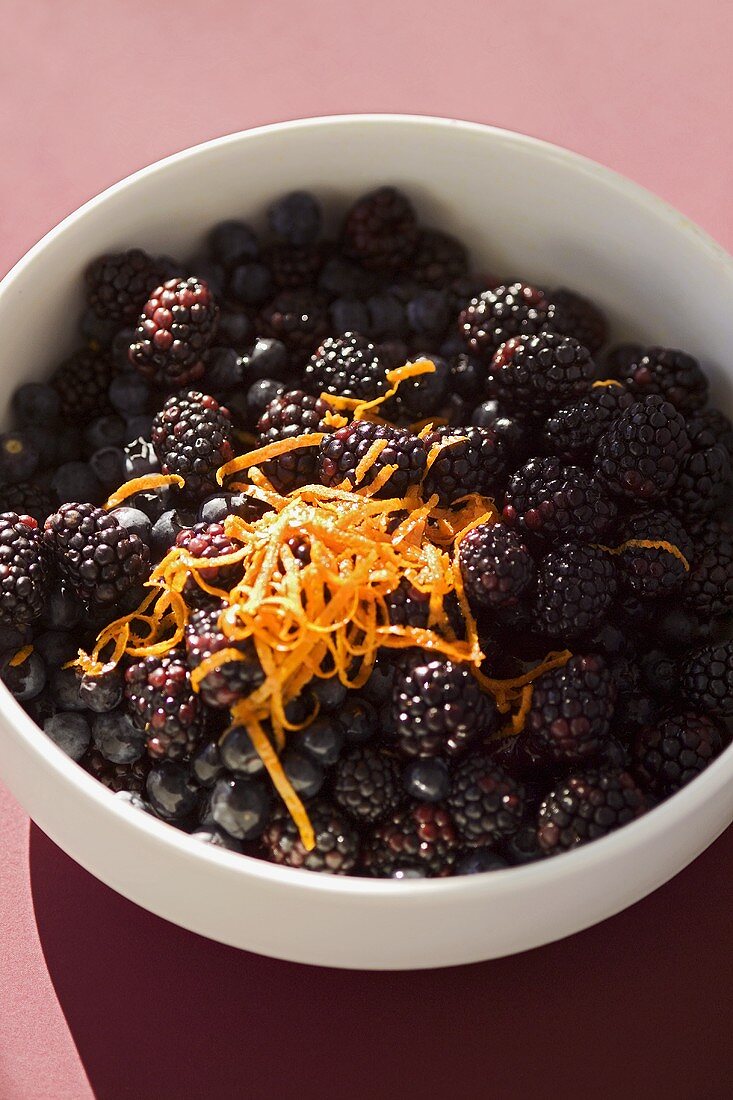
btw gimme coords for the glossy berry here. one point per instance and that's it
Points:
(117, 738)
(573, 430)
(170, 792)
(337, 843)
(421, 835)
(292, 414)
(163, 704)
(366, 784)
(240, 807)
(193, 436)
(25, 569)
(298, 319)
(709, 588)
(573, 315)
(94, 554)
(342, 451)
(671, 753)
(670, 373)
(438, 708)
(558, 502)
(470, 460)
(223, 686)
(532, 374)
(585, 807)
(176, 328)
(707, 680)
(576, 585)
(499, 315)
(486, 804)
(380, 230)
(496, 567)
(640, 454)
(571, 711)
(427, 779)
(118, 285)
(347, 366)
(654, 571)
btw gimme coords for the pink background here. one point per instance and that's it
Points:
(93, 989)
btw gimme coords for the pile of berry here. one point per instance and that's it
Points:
(602, 545)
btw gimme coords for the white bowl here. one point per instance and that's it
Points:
(525, 207)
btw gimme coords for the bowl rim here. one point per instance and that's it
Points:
(643, 830)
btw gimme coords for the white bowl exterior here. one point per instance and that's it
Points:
(526, 208)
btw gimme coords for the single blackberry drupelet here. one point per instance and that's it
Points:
(707, 680)
(119, 284)
(576, 586)
(675, 750)
(473, 463)
(533, 374)
(176, 328)
(221, 687)
(571, 711)
(586, 807)
(573, 431)
(347, 366)
(438, 708)
(337, 843)
(25, 569)
(292, 414)
(380, 230)
(366, 784)
(709, 589)
(193, 436)
(640, 455)
(558, 502)
(500, 314)
(95, 555)
(27, 499)
(705, 476)
(496, 567)
(82, 382)
(438, 259)
(419, 836)
(210, 541)
(486, 803)
(573, 315)
(670, 373)
(299, 319)
(162, 702)
(341, 452)
(652, 571)
(406, 606)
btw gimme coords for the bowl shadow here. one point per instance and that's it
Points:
(637, 1006)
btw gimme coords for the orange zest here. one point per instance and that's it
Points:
(651, 544)
(145, 484)
(21, 656)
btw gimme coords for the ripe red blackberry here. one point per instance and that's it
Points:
(162, 702)
(533, 374)
(224, 686)
(640, 455)
(571, 711)
(294, 266)
(366, 784)
(176, 328)
(348, 366)
(486, 803)
(497, 315)
(406, 606)
(438, 708)
(25, 569)
(341, 452)
(438, 259)
(496, 567)
(573, 431)
(380, 230)
(473, 463)
(576, 586)
(100, 559)
(675, 750)
(82, 382)
(418, 836)
(573, 315)
(586, 807)
(337, 842)
(27, 499)
(291, 414)
(671, 374)
(705, 476)
(119, 284)
(707, 680)
(558, 502)
(652, 572)
(298, 318)
(193, 436)
(709, 589)
(117, 777)
(210, 541)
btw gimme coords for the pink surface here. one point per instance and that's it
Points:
(640, 1005)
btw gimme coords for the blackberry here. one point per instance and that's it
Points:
(586, 807)
(25, 569)
(407, 606)
(669, 373)
(437, 259)
(421, 835)
(573, 431)
(380, 230)
(193, 436)
(707, 680)
(640, 454)
(210, 541)
(532, 374)
(347, 366)
(652, 572)
(82, 383)
(118, 285)
(618, 358)
(293, 266)
(709, 590)
(341, 452)
(224, 686)
(292, 414)
(496, 567)
(671, 753)
(438, 707)
(337, 843)
(701, 486)
(576, 585)
(117, 777)
(162, 702)
(708, 427)
(486, 804)
(573, 315)
(176, 328)
(298, 318)
(366, 784)
(545, 497)
(497, 315)
(474, 463)
(101, 560)
(512, 433)
(571, 711)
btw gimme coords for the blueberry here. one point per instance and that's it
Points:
(170, 792)
(36, 403)
(240, 807)
(348, 315)
(76, 481)
(135, 521)
(139, 425)
(215, 509)
(479, 860)
(68, 445)
(468, 379)
(26, 680)
(427, 780)
(70, 732)
(19, 456)
(140, 458)
(164, 532)
(428, 312)
(210, 834)
(343, 279)
(97, 330)
(129, 394)
(231, 242)
(322, 740)
(238, 754)
(306, 776)
(42, 707)
(104, 431)
(63, 610)
(268, 358)
(387, 316)
(251, 283)
(212, 273)
(452, 346)
(206, 766)
(121, 349)
(425, 394)
(65, 684)
(235, 328)
(14, 637)
(510, 432)
(296, 218)
(108, 464)
(330, 693)
(153, 504)
(660, 674)
(102, 693)
(223, 370)
(378, 687)
(118, 740)
(259, 396)
(56, 647)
